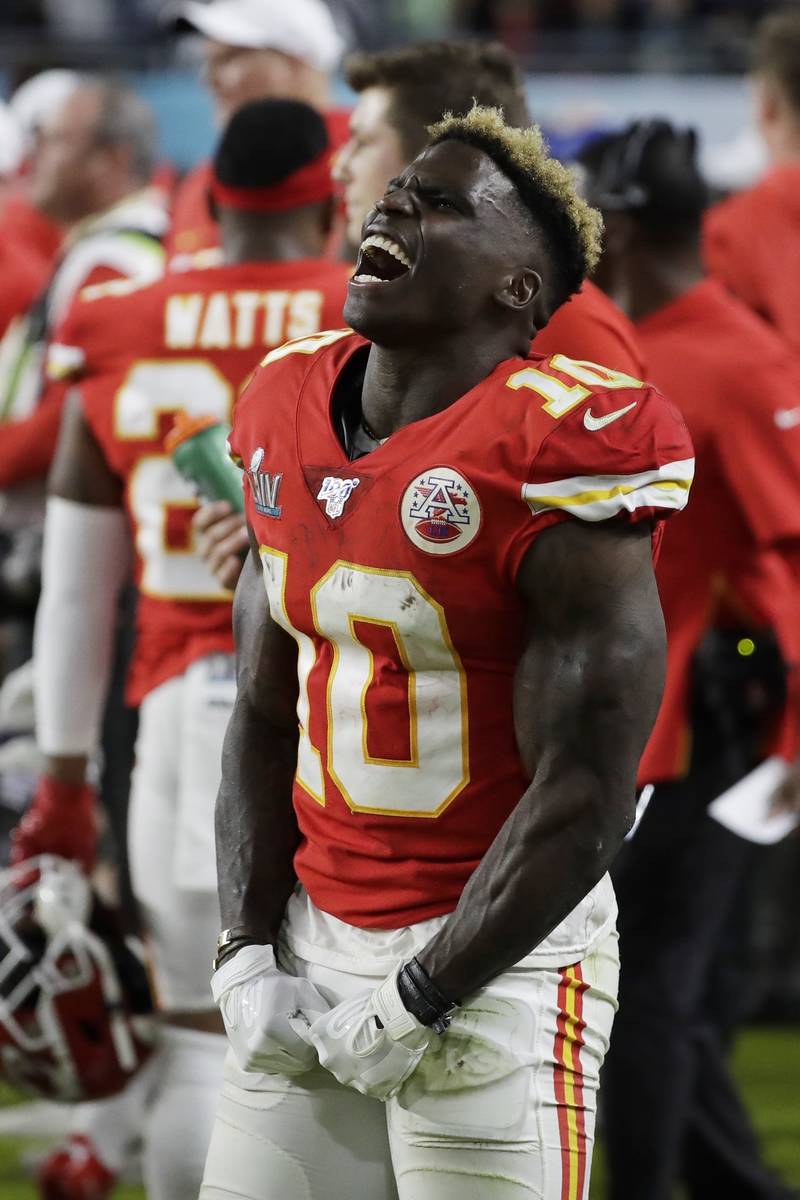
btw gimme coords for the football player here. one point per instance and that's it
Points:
(450, 657)
(400, 93)
(746, 235)
(672, 1110)
(186, 343)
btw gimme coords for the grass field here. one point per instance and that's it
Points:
(767, 1063)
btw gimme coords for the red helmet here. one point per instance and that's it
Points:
(75, 1005)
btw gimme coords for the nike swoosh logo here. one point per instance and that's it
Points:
(600, 423)
(787, 418)
(595, 423)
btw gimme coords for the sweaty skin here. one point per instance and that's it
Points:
(583, 705)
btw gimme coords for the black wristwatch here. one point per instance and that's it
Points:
(422, 998)
(231, 940)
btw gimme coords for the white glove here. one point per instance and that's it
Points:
(257, 1000)
(353, 1047)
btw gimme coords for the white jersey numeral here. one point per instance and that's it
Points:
(560, 397)
(429, 699)
(155, 488)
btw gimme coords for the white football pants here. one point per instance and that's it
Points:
(171, 827)
(502, 1107)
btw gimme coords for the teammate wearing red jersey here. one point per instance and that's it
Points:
(751, 241)
(441, 706)
(254, 49)
(672, 1111)
(186, 343)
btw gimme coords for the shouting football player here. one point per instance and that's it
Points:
(450, 654)
(188, 342)
(400, 93)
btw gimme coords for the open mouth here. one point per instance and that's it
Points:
(380, 260)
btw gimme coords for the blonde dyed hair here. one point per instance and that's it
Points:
(546, 187)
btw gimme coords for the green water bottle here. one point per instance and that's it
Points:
(199, 449)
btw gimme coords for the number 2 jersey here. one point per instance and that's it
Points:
(188, 342)
(395, 574)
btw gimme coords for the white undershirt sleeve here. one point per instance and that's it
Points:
(85, 562)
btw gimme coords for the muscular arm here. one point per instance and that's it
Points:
(256, 828)
(587, 690)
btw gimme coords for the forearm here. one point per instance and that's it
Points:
(256, 828)
(583, 710)
(85, 563)
(555, 846)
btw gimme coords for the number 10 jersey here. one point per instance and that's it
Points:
(395, 574)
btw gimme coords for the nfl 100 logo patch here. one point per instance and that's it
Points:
(336, 492)
(440, 512)
(265, 486)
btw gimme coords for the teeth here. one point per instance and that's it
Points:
(384, 243)
(368, 279)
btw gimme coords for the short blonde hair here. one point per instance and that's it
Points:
(546, 187)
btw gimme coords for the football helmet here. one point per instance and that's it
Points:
(75, 1006)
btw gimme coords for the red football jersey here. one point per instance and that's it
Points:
(396, 576)
(590, 325)
(193, 228)
(738, 387)
(752, 244)
(23, 278)
(189, 341)
(24, 226)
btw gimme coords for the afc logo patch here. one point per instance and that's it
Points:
(440, 512)
(265, 487)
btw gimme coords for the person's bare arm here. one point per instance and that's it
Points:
(80, 471)
(587, 691)
(256, 828)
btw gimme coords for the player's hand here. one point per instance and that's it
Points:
(62, 820)
(371, 1043)
(257, 1000)
(221, 538)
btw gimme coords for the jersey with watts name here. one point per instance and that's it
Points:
(188, 342)
(396, 576)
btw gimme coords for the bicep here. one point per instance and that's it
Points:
(266, 655)
(589, 680)
(80, 471)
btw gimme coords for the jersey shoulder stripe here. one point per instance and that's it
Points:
(598, 497)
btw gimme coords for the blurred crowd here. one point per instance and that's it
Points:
(716, 29)
(702, 300)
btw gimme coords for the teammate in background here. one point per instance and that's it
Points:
(441, 706)
(671, 1106)
(187, 342)
(255, 49)
(33, 104)
(21, 270)
(400, 93)
(746, 235)
(93, 160)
